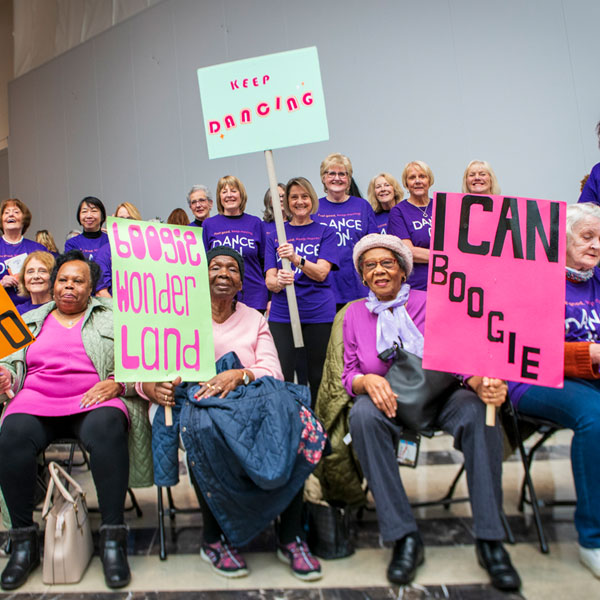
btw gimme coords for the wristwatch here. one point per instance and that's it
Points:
(245, 377)
(302, 262)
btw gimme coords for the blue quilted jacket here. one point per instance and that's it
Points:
(251, 451)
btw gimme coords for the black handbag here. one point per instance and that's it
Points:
(421, 392)
(329, 534)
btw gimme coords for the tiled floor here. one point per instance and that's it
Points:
(450, 569)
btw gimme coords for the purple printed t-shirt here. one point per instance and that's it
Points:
(243, 233)
(408, 221)
(316, 302)
(381, 218)
(582, 320)
(7, 251)
(351, 220)
(88, 245)
(269, 229)
(104, 259)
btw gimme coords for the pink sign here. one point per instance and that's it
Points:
(496, 291)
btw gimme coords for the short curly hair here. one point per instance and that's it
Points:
(71, 255)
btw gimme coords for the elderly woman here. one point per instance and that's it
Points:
(268, 217)
(312, 250)
(239, 328)
(394, 311)
(384, 193)
(126, 210)
(479, 178)
(411, 220)
(34, 280)
(91, 215)
(243, 232)
(200, 201)
(15, 219)
(577, 404)
(63, 386)
(351, 218)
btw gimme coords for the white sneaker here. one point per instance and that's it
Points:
(590, 557)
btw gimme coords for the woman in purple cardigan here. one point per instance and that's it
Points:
(393, 311)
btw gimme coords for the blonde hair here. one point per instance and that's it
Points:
(306, 185)
(372, 198)
(45, 258)
(422, 166)
(336, 159)
(134, 213)
(231, 181)
(44, 237)
(495, 186)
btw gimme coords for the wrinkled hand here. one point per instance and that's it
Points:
(101, 392)
(595, 353)
(220, 384)
(491, 390)
(284, 277)
(5, 381)
(287, 251)
(9, 281)
(163, 392)
(381, 394)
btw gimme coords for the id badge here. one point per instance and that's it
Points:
(408, 449)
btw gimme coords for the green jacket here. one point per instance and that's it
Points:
(97, 334)
(339, 473)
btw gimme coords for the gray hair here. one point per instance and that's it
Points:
(578, 212)
(199, 188)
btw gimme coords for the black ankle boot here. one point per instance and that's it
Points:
(24, 557)
(113, 553)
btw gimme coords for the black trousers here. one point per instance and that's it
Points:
(289, 526)
(103, 432)
(316, 338)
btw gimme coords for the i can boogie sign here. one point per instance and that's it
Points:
(496, 291)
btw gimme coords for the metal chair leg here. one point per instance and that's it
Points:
(161, 525)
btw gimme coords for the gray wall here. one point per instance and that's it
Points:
(514, 82)
(4, 186)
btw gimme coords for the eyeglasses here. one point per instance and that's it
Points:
(201, 201)
(338, 174)
(386, 263)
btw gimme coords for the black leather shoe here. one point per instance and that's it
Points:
(407, 556)
(495, 560)
(24, 557)
(113, 553)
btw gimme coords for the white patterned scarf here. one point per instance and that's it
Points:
(395, 324)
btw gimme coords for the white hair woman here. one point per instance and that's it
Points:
(577, 404)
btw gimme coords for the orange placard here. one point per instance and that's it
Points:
(14, 334)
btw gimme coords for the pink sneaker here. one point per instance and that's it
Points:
(303, 564)
(224, 559)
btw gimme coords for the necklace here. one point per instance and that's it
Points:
(70, 319)
(422, 210)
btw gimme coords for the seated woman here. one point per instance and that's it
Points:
(34, 280)
(577, 404)
(63, 387)
(393, 311)
(239, 328)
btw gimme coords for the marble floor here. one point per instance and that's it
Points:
(450, 570)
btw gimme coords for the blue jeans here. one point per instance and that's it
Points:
(576, 406)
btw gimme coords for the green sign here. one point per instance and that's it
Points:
(161, 300)
(263, 103)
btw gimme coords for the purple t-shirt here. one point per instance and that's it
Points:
(89, 246)
(591, 189)
(104, 259)
(381, 218)
(411, 222)
(582, 320)
(316, 303)
(27, 306)
(243, 233)
(352, 220)
(269, 229)
(11, 250)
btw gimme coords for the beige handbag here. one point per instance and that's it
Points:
(68, 545)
